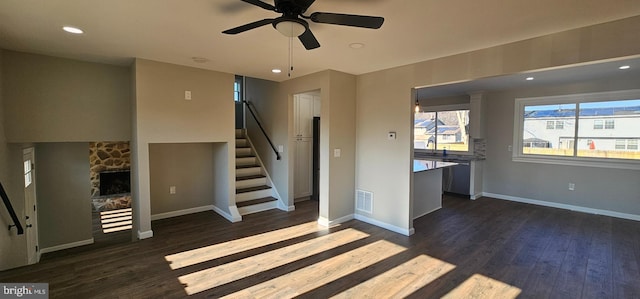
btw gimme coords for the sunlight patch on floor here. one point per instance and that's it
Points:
(210, 278)
(196, 256)
(319, 274)
(480, 286)
(116, 220)
(402, 280)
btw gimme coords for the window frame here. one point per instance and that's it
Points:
(238, 95)
(445, 108)
(518, 125)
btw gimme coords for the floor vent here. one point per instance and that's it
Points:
(364, 201)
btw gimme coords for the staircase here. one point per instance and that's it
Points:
(253, 190)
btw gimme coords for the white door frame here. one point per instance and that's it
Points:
(30, 205)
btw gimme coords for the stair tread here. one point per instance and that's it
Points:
(246, 166)
(251, 189)
(250, 177)
(246, 156)
(254, 202)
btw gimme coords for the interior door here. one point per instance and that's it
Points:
(30, 206)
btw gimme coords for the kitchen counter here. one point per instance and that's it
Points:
(427, 185)
(420, 165)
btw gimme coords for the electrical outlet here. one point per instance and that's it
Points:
(337, 153)
(172, 190)
(187, 95)
(572, 186)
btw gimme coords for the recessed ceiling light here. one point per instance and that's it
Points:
(530, 78)
(356, 45)
(624, 67)
(276, 71)
(73, 30)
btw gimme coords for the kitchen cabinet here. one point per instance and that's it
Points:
(303, 179)
(303, 106)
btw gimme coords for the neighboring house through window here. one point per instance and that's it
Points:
(600, 129)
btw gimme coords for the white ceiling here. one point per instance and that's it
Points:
(174, 31)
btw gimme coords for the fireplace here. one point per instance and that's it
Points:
(115, 182)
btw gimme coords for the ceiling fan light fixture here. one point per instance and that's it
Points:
(290, 28)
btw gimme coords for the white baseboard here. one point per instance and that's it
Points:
(235, 218)
(145, 234)
(181, 212)
(564, 206)
(393, 228)
(416, 217)
(66, 246)
(328, 223)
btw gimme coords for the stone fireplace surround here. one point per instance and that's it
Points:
(108, 156)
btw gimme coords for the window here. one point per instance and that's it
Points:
(237, 89)
(599, 129)
(551, 125)
(609, 124)
(440, 130)
(555, 125)
(597, 124)
(28, 174)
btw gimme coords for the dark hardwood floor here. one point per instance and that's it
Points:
(486, 248)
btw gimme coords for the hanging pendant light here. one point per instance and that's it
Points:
(417, 108)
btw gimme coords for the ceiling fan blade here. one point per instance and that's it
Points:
(308, 40)
(249, 26)
(347, 20)
(259, 3)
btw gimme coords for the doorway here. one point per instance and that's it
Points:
(30, 206)
(307, 145)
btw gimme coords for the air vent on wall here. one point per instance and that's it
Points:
(364, 201)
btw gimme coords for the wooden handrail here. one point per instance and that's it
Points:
(12, 213)
(262, 129)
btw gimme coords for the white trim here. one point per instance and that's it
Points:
(475, 196)
(265, 206)
(518, 125)
(145, 235)
(425, 213)
(286, 208)
(66, 246)
(274, 191)
(564, 206)
(328, 223)
(181, 212)
(227, 215)
(393, 228)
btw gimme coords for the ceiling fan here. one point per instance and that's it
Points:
(292, 23)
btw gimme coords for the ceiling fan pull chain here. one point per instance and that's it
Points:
(290, 56)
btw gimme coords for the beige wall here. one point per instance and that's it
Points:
(12, 247)
(162, 115)
(187, 166)
(274, 103)
(384, 101)
(607, 189)
(63, 192)
(49, 99)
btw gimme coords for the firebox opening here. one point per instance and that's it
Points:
(115, 182)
